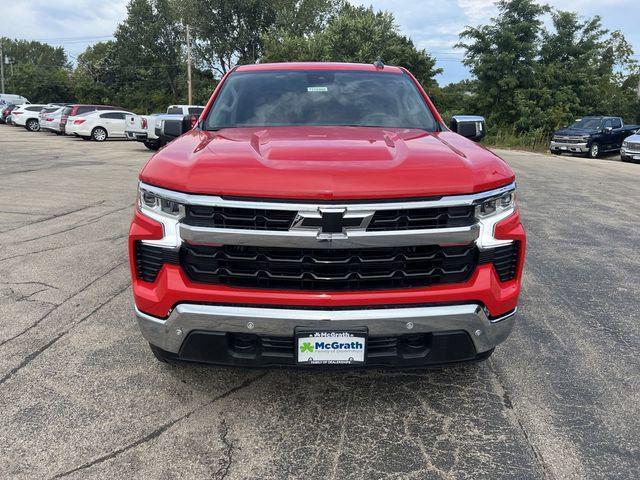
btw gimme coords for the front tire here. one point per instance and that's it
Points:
(594, 150)
(33, 125)
(99, 134)
(152, 145)
(556, 152)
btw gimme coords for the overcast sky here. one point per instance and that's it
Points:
(432, 24)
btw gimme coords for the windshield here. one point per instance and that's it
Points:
(319, 97)
(588, 123)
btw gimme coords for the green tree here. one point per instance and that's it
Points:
(230, 32)
(39, 71)
(149, 55)
(502, 57)
(354, 34)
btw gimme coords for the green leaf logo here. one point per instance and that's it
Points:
(306, 347)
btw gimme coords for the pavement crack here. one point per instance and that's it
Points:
(75, 227)
(43, 317)
(225, 463)
(33, 355)
(163, 428)
(57, 215)
(512, 415)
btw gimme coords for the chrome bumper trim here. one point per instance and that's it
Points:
(569, 147)
(311, 239)
(169, 333)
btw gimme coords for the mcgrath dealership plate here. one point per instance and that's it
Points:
(333, 347)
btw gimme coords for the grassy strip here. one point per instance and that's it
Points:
(534, 141)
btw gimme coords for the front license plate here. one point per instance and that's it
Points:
(636, 157)
(331, 347)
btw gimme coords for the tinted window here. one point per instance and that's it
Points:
(113, 115)
(174, 110)
(195, 111)
(616, 123)
(33, 109)
(84, 110)
(369, 99)
(67, 110)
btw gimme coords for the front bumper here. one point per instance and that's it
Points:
(569, 147)
(631, 155)
(205, 333)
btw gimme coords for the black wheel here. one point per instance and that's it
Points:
(99, 134)
(152, 144)
(161, 355)
(32, 125)
(594, 150)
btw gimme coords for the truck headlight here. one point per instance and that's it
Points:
(625, 144)
(496, 205)
(152, 204)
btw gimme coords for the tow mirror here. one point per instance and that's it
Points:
(173, 128)
(472, 127)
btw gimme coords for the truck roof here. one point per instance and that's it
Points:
(366, 67)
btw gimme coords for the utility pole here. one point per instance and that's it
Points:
(1, 68)
(190, 102)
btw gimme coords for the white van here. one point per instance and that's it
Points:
(10, 99)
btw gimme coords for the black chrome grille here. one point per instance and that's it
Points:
(243, 218)
(282, 220)
(422, 218)
(328, 269)
(149, 260)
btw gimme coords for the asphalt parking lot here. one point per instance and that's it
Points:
(82, 396)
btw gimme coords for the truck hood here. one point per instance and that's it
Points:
(325, 163)
(575, 132)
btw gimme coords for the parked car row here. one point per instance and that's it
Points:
(593, 136)
(93, 122)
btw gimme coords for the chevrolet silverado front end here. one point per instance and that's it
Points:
(324, 214)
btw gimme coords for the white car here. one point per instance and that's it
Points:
(27, 116)
(50, 119)
(98, 125)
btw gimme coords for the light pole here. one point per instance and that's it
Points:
(1, 68)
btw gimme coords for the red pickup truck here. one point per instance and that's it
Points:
(324, 214)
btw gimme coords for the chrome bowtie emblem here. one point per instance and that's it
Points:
(332, 221)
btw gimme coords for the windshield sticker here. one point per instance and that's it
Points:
(317, 89)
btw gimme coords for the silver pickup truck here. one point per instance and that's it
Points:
(142, 128)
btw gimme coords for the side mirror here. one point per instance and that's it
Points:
(472, 127)
(608, 129)
(173, 128)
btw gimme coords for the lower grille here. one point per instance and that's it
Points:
(505, 260)
(149, 260)
(327, 269)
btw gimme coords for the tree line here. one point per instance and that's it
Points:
(526, 78)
